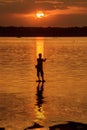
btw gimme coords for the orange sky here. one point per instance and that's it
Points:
(56, 13)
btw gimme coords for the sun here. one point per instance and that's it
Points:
(40, 14)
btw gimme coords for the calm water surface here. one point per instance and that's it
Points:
(63, 97)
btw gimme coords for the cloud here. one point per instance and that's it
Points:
(63, 3)
(3, 2)
(28, 6)
(16, 6)
(14, 10)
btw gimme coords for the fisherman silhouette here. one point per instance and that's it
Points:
(39, 67)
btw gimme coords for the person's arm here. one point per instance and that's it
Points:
(44, 59)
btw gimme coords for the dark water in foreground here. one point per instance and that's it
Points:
(63, 97)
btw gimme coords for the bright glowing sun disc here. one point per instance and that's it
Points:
(39, 14)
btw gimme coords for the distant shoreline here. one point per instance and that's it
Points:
(43, 32)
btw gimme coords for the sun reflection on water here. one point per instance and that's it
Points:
(39, 46)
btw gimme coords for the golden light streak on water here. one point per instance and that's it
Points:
(39, 113)
(39, 46)
(42, 129)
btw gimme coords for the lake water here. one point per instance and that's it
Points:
(63, 97)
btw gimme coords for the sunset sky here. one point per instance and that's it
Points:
(59, 13)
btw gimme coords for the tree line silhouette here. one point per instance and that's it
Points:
(42, 31)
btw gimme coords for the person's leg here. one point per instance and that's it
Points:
(38, 75)
(42, 75)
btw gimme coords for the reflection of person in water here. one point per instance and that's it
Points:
(39, 67)
(38, 122)
(40, 95)
(39, 102)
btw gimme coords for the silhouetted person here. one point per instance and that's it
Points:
(39, 67)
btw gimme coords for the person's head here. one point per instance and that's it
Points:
(40, 55)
